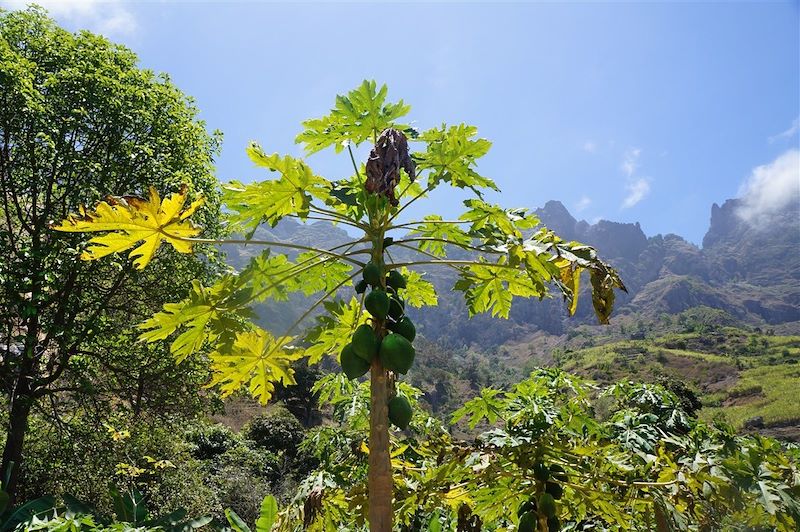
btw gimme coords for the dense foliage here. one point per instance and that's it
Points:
(80, 120)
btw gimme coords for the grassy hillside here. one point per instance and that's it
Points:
(750, 379)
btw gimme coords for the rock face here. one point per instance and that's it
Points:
(750, 271)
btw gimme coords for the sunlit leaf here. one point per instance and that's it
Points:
(256, 360)
(451, 154)
(271, 200)
(418, 292)
(359, 115)
(129, 221)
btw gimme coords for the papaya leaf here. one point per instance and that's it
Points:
(357, 116)
(322, 277)
(571, 278)
(255, 360)
(334, 329)
(435, 229)
(488, 406)
(209, 315)
(495, 223)
(491, 288)
(451, 154)
(271, 200)
(130, 220)
(418, 292)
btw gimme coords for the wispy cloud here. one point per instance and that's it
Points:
(637, 190)
(584, 202)
(589, 146)
(789, 133)
(630, 162)
(770, 188)
(109, 17)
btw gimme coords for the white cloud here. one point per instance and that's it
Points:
(109, 17)
(637, 190)
(630, 163)
(584, 202)
(788, 133)
(589, 146)
(771, 187)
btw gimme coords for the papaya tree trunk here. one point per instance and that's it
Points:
(380, 467)
(379, 480)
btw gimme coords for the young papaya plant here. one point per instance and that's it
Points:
(510, 255)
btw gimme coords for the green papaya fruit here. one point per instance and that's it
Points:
(388, 241)
(553, 524)
(541, 471)
(400, 412)
(377, 304)
(404, 327)
(397, 353)
(396, 280)
(526, 506)
(558, 473)
(547, 505)
(372, 274)
(397, 308)
(365, 343)
(353, 365)
(527, 522)
(555, 489)
(361, 286)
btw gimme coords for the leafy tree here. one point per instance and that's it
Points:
(508, 255)
(79, 120)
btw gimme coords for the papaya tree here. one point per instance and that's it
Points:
(501, 253)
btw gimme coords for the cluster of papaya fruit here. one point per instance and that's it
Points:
(388, 337)
(542, 504)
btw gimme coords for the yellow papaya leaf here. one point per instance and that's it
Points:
(571, 277)
(130, 221)
(256, 360)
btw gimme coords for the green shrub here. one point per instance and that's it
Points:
(208, 441)
(276, 431)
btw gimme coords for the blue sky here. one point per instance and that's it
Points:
(624, 111)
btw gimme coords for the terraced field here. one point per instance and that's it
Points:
(752, 380)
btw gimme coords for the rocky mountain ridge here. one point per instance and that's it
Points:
(751, 272)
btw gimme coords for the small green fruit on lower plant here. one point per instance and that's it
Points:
(361, 286)
(377, 304)
(527, 506)
(547, 505)
(353, 365)
(558, 473)
(365, 343)
(397, 353)
(404, 327)
(527, 522)
(540, 471)
(400, 412)
(396, 280)
(372, 274)
(554, 489)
